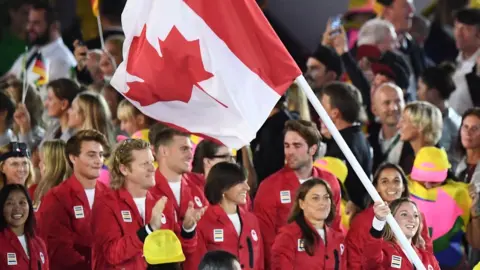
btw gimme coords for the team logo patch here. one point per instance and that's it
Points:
(126, 215)
(396, 262)
(198, 201)
(430, 267)
(254, 235)
(300, 246)
(218, 235)
(11, 259)
(164, 219)
(285, 196)
(78, 210)
(342, 249)
(42, 258)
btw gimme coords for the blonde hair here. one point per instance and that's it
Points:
(122, 155)
(126, 110)
(427, 118)
(388, 234)
(96, 114)
(3, 179)
(56, 167)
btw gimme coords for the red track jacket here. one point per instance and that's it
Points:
(288, 252)
(13, 256)
(275, 198)
(188, 193)
(358, 233)
(119, 231)
(216, 232)
(199, 181)
(382, 255)
(66, 224)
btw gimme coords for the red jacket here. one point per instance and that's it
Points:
(66, 224)
(385, 255)
(117, 229)
(13, 256)
(288, 252)
(188, 192)
(216, 232)
(359, 231)
(275, 198)
(199, 181)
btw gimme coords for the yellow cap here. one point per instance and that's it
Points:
(475, 4)
(431, 165)
(477, 267)
(334, 166)
(162, 246)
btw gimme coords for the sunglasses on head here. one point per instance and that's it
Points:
(17, 149)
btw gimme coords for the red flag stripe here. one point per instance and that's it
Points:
(248, 34)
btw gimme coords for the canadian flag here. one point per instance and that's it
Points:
(211, 67)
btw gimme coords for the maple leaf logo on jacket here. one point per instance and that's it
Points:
(167, 78)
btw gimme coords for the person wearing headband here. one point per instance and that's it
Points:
(15, 164)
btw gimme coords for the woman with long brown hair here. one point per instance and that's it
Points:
(382, 250)
(308, 241)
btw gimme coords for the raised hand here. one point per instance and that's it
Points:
(157, 211)
(192, 216)
(381, 210)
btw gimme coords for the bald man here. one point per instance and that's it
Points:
(387, 106)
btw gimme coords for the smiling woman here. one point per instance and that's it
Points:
(15, 165)
(20, 245)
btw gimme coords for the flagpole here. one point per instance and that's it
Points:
(100, 32)
(24, 87)
(406, 245)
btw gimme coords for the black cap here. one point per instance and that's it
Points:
(395, 67)
(329, 58)
(386, 3)
(468, 16)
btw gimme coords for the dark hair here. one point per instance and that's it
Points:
(65, 89)
(74, 144)
(459, 149)
(164, 266)
(344, 97)
(308, 234)
(161, 134)
(7, 105)
(217, 260)
(222, 177)
(205, 149)
(440, 78)
(51, 15)
(29, 226)
(112, 10)
(307, 130)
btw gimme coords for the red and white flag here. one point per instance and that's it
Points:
(211, 67)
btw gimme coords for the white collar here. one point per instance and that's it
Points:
(473, 58)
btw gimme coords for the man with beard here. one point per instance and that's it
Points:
(276, 193)
(47, 58)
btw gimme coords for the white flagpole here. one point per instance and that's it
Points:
(100, 32)
(407, 247)
(24, 87)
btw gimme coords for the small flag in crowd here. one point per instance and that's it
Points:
(39, 68)
(94, 7)
(214, 68)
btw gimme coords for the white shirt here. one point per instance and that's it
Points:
(23, 242)
(140, 203)
(176, 188)
(321, 232)
(460, 100)
(57, 58)
(304, 180)
(395, 153)
(90, 196)
(236, 222)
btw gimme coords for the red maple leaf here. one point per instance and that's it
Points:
(167, 78)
